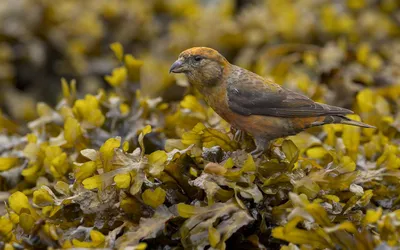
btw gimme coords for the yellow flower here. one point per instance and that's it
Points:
(88, 112)
(118, 50)
(363, 52)
(42, 198)
(19, 203)
(7, 125)
(85, 171)
(72, 131)
(7, 163)
(133, 66)
(32, 172)
(122, 180)
(118, 77)
(97, 238)
(26, 221)
(154, 198)
(6, 227)
(68, 90)
(191, 103)
(107, 152)
(56, 161)
(92, 182)
(124, 109)
(157, 160)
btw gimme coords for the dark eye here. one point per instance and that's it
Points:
(198, 58)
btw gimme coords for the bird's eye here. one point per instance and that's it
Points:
(198, 58)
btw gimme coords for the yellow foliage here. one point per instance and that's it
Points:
(154, 198)
(88, 112)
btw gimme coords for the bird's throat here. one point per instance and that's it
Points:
(215, 97)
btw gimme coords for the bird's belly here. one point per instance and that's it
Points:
(271, 127)
(266, 126)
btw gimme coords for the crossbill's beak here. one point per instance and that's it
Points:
(177, 66)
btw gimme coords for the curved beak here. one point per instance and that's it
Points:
(177, 66)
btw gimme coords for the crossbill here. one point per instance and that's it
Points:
(251, 103)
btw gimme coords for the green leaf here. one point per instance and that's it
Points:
(291, 151)
(229, 163)
(249, 165)
(213, 236)
(185, 211)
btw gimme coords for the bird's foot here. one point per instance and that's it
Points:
(239, 136)
(262, 145)
(257, 152)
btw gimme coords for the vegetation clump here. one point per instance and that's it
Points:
(144, 163)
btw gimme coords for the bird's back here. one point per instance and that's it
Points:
(251, 94)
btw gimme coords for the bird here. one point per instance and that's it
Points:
(252, 103)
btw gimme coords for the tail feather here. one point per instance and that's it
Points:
(342, 120)
(349, 121)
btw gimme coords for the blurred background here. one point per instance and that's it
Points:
(328, 50)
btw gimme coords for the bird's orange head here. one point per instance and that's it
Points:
(203, 66)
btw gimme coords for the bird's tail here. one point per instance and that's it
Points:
(349, 121)
(344, 120)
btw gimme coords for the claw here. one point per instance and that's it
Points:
(262, 144)
(238, 136)
(257, 152)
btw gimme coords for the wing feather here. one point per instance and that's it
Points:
(257, 96)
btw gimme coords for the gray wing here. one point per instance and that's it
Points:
(256, 97)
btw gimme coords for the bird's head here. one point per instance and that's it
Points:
(203, 66)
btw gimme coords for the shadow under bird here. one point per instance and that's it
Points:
(252, 103)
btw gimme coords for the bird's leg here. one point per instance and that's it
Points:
(261, 145)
